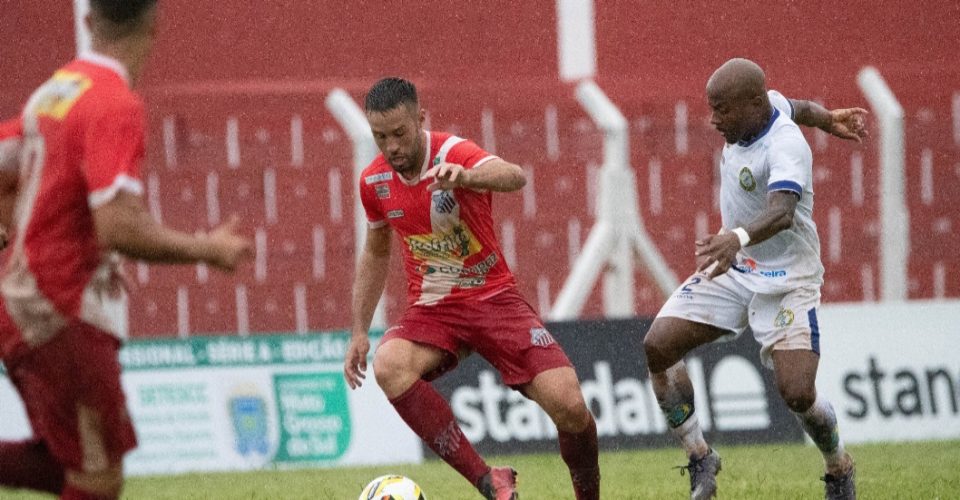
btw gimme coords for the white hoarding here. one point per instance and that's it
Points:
(892, 371)
(217, 404)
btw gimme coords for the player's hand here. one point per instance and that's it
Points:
(118, 282)
(720, 249)
(849, 123)
(355, 366)
(228, 248)
(446, 176)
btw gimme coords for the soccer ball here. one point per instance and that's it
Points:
(392, 487)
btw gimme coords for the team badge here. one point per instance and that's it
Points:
(539, 336)
(444, 202)
(784, 318)
(747, 182)
(383, 191)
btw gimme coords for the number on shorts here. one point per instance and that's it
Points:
(693, 281)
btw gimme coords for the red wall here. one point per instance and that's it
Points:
(266, 61)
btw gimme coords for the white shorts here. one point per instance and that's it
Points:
(785, 321)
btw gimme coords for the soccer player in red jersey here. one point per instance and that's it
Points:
(434, 190)
(78, 204)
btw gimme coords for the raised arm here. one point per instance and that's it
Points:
(845, 123)
(371, 277)
(493, 175)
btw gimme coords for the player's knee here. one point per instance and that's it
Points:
(659, 357)
(798, 397)
(386, 367)
(105, 483)
(572, 416)
(392, 370)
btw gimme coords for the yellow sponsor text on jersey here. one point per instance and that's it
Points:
(457, 244)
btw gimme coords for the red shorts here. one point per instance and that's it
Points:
(71, 389)
(504, 329)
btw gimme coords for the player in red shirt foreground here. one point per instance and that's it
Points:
(434, 190)
(78, 203)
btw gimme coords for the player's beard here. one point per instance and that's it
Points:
(413, 161)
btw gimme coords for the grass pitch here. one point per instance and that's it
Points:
(927, 471)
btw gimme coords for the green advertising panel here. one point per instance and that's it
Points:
(314, 416)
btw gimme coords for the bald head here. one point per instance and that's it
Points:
(737, 94)
(737, 78)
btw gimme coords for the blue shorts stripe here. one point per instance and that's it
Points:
(814, 331)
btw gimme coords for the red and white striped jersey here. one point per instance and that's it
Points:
(82, 142)
(450, 249)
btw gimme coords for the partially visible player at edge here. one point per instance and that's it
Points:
(762, 270)
(78, 203)
(435, 191)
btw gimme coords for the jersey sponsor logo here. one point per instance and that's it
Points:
(540, 337)
(458, 243)
(479, 269)
(395, 214)
(444, 202)
(474, 282)
(747, 182)
(784, 318)
(381, 177)
(60, 93)
(749, 266)
(383, 191)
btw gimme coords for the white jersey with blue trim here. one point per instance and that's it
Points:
(778, 159)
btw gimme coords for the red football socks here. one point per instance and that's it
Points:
(28, 464)
(581, 454)
(430, 417)
(72, 493)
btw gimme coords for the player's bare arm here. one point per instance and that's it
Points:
(368, 286)
(494, 175)
(722, 248)
(9, 180)
(845, 123)
(9, 186)
(123, 225)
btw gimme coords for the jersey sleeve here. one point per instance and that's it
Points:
(113, 150)
(11, 132)
(467, 153)
(791, 163)
(371, 205)
(780, 102)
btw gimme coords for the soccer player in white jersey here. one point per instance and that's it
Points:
(762, 270)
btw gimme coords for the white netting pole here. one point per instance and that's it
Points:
(894, 218)
(351, 118)
(80, 10)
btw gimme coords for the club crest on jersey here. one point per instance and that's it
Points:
(539, 336)
(381, 177)
(747, 182)
(784, 318)
(383, 191)
(444, 202)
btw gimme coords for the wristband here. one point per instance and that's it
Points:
(742, 235)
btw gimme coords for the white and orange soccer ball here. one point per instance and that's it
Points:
(392, 487)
